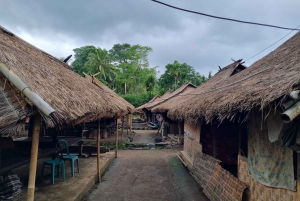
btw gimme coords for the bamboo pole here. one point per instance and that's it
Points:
(98, 153)
(116, 149)
(33, 157)
(122, 127)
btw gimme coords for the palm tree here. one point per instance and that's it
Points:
(99, 61)
(175, 72)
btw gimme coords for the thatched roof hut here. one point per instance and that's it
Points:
(168, 95)
(202, 102)
(73, 98)
(271, 78)
(174, 100)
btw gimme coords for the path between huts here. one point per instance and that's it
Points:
(155, 174)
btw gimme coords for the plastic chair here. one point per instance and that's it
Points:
(55, 164)
(68, 157)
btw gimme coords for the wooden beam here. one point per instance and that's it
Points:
(33, 157)
(116, 149)
(98, 152)
(122, 127)
(179, 135)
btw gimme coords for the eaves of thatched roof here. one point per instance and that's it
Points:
(173, 101)
(269, 79)
(73, 97)
(127, 107)
(200, 94)
(168, 95)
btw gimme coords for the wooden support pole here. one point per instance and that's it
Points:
(116, 149)
(122, 127)
(179, 134)
(98, 152)
(33, 157)
(130, 121)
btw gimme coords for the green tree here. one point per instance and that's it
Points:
(132, 61)
(99, 61)
(81, 57)
(177, 74)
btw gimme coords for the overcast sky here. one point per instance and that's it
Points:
(58, 27)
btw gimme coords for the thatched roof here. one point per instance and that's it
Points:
(140, 108)
(127, 107)
(173, 101)
(73, 97)
(168, 95)
(271, 78)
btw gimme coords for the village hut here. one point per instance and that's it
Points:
(36, 85)
(145, 107)
(163, 106)
(240, 120)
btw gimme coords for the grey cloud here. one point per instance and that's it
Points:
(202, 42)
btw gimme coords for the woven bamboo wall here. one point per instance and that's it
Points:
(193, 129)
(260, 192)
(217, 183)
(188, 146)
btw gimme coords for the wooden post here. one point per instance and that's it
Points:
(116, 149)
(298, 177)
(130, 121)
(122, 127)
(33, 157)
(179, 134)
(98, 152)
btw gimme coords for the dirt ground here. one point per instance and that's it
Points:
(147, 175)
(145, 136)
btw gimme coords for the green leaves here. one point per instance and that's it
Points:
(177, 74)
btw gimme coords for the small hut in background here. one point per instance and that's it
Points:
(145, 108)
(179, 96)
(168, 125)
(39, 90)
(240, 122)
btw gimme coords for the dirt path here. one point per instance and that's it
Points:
(147, 175)
(145, 136)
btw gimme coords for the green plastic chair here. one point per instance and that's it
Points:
(55, 164)
(68, 157)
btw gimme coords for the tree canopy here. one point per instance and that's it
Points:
(177, 74)
(125, 69)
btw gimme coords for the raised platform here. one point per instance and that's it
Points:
(73, 189)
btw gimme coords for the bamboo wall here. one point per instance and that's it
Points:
(258, 191)
(217, 183)
(192, 146)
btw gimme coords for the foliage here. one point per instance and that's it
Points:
(122, 144)
(138, 99)
(81, 57)
(125, 69)
(177, 74)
